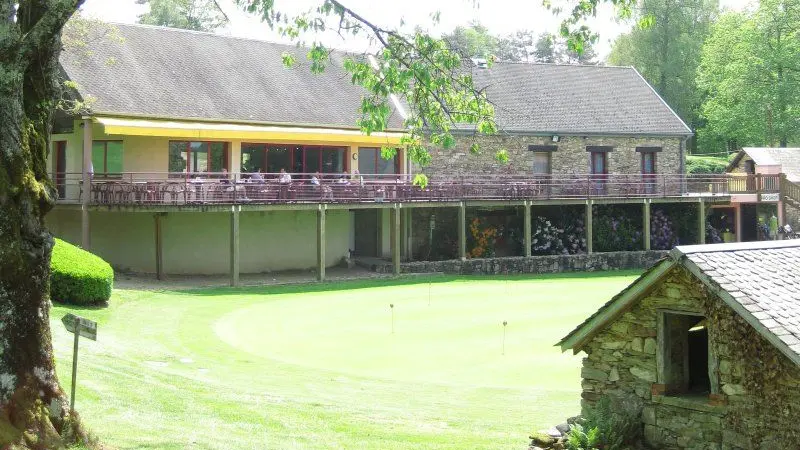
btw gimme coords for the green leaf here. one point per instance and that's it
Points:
(288, 59)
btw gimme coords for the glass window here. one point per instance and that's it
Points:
(313, 160)
(178, 157)
(367, 160)
(541, 163)
(219, 156)
(107, 158)
(333, 160)
(370, 161)
(197, 157)
(253, 158)
(279, 157)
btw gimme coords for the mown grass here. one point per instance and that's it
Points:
(318, 366)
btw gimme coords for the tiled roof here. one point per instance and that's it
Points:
(763, 279)
(760, 281)
(169, 73)
(787, 158)
(161, 72)
(572, 99)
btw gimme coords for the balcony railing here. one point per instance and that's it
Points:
(218, 188)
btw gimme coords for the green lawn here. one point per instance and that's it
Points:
(318, 366)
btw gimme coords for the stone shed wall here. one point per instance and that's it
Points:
(758, 404)
(571, 156)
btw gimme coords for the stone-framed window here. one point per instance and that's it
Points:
(684, 354)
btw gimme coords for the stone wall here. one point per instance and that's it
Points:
(571, 156)
(533, 264)
(622, 362)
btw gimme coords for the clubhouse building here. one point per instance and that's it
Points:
(204, 154)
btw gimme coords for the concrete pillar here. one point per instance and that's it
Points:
(395, 232)
(589, 226)
(462, 231)
(87, 182)
(235, 157)
(159, 246)
(646, 223)
(321, 242)
(701, 221)
(527, 230)
(235, 245)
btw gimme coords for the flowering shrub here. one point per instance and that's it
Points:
(615, 231)
(662, 233)
(549, 239)
(484, 239)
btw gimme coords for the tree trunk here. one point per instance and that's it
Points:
(34, 411)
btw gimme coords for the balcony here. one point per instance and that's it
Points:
(164, 189)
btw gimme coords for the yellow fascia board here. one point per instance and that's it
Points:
(230, 131)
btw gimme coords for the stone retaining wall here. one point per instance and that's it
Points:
(534, 264)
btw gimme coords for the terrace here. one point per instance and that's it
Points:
(178, 189)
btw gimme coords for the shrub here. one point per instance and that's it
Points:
(705, 164)
(79, 277)
(611, 425)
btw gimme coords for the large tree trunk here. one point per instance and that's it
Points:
(34, 411)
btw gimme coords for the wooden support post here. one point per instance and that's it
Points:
(86, 186)
(646, 223)
(701, 221)
(321, 242)
(395, 234)
(235, 245)
(462, 231)
(159, 246)
(738, 221)
(527, 231)
(782, 203)
(407, 232)
(589, 226)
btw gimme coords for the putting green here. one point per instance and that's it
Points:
(457, 338)
(318, 367)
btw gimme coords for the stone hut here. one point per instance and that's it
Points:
(706, 344)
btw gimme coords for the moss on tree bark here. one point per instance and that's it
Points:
(34, 410)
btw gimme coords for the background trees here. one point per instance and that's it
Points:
(198, 15)
(667, 53)
(749, 75)
(475, 41)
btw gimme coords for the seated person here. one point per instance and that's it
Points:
(343, 178)
(224, 178)
(257, 176)
(315, 179)
(284, 177)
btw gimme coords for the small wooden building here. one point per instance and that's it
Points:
(706, 345)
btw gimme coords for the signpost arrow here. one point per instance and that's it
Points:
(79, 327)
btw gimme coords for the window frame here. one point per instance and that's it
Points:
(601, 154)
(712, 371)
(265, 147)
(378, 157)
(189, 152)
(654, 156)
(549, 155)
(104, 174)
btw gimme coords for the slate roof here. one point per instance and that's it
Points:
(167, 73)
(787, 158)
(572, 99)
(760, 281)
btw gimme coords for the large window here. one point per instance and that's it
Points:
(197, 157)
(371, 162)
(107, 159)
(685, 350)
(270, 158)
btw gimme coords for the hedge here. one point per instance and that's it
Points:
(705, 164)
(79, 277)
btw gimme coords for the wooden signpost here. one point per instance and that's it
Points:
(79, 327)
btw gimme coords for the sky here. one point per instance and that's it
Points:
(499, 16)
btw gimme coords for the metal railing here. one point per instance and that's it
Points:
(162, 188)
